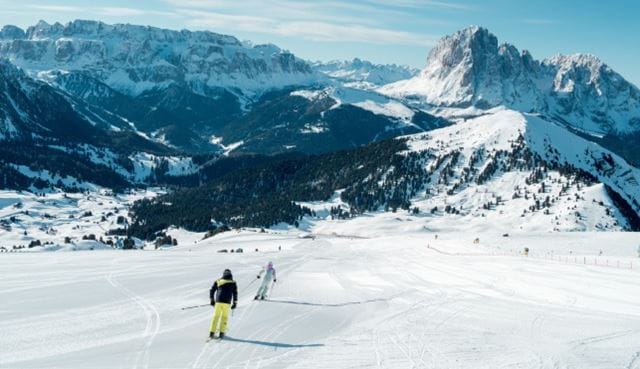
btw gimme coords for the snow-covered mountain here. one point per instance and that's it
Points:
(525, 172)
(436, 217)
(470, 68)
(363, 73)
(492, 135)
(51, 140)
(199, 92)
(176, 87)
(505, 170)
(32, 110)
(133, 59)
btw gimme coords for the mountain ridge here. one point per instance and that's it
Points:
(471, 69)
(363, 73)
(188, 90)
(486, 131)
(133, 59)
(504, 167)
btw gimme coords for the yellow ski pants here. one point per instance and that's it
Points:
(220, 315)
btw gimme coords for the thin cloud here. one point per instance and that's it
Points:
(319, 31)
(285, 9)
(220, 22)
(56, 8)
(540, 21)
(309, 30)
(104, 11)
(418, 4)
(204, 4)
(327, 21)
(120, 12)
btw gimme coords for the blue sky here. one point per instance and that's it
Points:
(383, 31)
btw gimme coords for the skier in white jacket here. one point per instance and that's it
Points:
(269, 274)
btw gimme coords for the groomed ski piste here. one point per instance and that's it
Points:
(345, 298)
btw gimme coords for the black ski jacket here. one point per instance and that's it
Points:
(227, 291)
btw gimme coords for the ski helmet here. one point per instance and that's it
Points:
(270, 265)
(226, 274)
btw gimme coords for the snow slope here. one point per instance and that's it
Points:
(504, 171)
(482, 141)
(400, 301)
(364, 99)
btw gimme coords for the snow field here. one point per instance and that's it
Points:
(402, 301)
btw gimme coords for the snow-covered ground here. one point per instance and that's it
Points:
(51, 217)
(364, 99)
(409, 300)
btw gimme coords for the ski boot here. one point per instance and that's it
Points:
(212, 335)
(221, 335)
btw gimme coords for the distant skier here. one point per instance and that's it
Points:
(224, 296)
(269, 273)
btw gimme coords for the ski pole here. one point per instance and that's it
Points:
(194, 306)
(273, 287)
(250, 283)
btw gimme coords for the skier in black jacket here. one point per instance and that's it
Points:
(224, 296)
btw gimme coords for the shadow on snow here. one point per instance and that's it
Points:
(272, 344)
(327, 305)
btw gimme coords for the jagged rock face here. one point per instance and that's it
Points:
(586, 88)
(458, 60)
(133, 59)
(470, 68)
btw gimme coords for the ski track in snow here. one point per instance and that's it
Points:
(151, 315)
(272, 332)
(209, 351)
(339, 302)
(635, 361)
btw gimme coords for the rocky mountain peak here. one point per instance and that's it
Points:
(586, 65)
(12, 32)
(470, 68)
(469, 45)
(43, 30)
